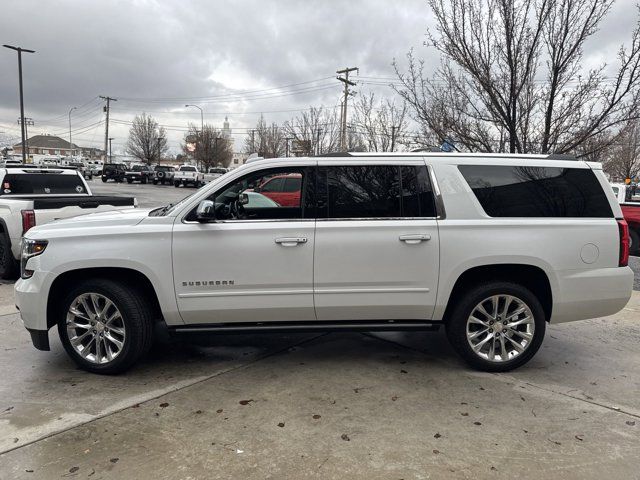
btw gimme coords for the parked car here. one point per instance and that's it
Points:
(491, 247)
(139, 173)
(113, 171)
(84, 169)
(35, 196)
(188, 175)
(629, 198)
(163, 173)
(282, 189)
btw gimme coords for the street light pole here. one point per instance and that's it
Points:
(71, 144)
(23, 126)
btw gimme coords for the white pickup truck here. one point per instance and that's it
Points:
(188, 175)
(31, 196)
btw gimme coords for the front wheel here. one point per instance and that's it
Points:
(176, 184)
(497, 326)
(105, 326)
(104, 180)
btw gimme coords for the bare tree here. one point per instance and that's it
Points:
(490, 92)
(624, 157)
(317, 129)
(383, 124)
(147, 140)
(208, 146)
(266, 140)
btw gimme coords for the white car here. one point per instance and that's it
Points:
(492, 247)
(188, 175)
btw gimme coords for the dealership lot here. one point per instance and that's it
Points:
(328, 406)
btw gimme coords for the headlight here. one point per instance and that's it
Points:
(30, 248)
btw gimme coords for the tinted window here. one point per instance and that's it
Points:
(363, 191)
(512, 191)
(292, 184)
(187, 169)
(417, 195)
(42, 184)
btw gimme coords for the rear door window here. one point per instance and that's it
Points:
(519, 191)
(368, 191)
(42, 184)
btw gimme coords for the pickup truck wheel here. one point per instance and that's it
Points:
(7, 262)
(155, 182)
(176, 184)
(497, 326)
(104, 180)
(105, 326)
(129, 180)
(634, 247)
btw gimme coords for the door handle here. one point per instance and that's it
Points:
(290, 241)
(415, 238)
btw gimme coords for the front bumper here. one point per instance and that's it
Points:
(31, 299)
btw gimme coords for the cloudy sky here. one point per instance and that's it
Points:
(236, 58)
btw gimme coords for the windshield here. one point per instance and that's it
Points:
(163, 211)
(138, 168)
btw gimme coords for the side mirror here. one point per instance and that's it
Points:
(206, 211)
(243, 199)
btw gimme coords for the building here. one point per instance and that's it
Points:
(52, 145)
(238, 159)
(226, 130)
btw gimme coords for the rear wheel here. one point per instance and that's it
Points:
(104, 180)
(155, 182)
(497, 326)
(105, 326)
(8, 265)
(634, 246)
(176, 184)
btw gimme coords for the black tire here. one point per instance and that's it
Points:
(634, 237)
(129, 180)
(155, 182)
(137, 316)
(104, 180)
(8, 265)
(457, 324)
(176, 184)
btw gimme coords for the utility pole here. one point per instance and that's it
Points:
(347, 84)
(393, 137)
(70, 144)
(22, 123)
(110, 151)
(106, 125)
(25, 122)
(253, 141)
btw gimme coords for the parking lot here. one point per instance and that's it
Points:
(337, 405)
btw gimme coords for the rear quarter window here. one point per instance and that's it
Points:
(519, 191)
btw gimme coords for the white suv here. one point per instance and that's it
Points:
(490, 246)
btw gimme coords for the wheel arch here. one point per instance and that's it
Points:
(530, 276)
(128, 276)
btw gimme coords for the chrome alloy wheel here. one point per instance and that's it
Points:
(500, 328)
(95, 328)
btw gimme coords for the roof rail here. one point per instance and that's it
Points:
(335, 154)
(561, 156)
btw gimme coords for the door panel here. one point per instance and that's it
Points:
(244, 271)
(364, 270)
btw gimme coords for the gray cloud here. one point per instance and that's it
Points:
(149, 50)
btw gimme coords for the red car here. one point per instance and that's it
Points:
(282, 189)
(631, 213)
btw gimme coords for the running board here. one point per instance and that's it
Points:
(298, 327)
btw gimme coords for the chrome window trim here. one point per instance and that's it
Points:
(441, 214)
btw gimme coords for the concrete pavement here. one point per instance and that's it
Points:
(327, 406)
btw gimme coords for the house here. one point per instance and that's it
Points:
(52, 145)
